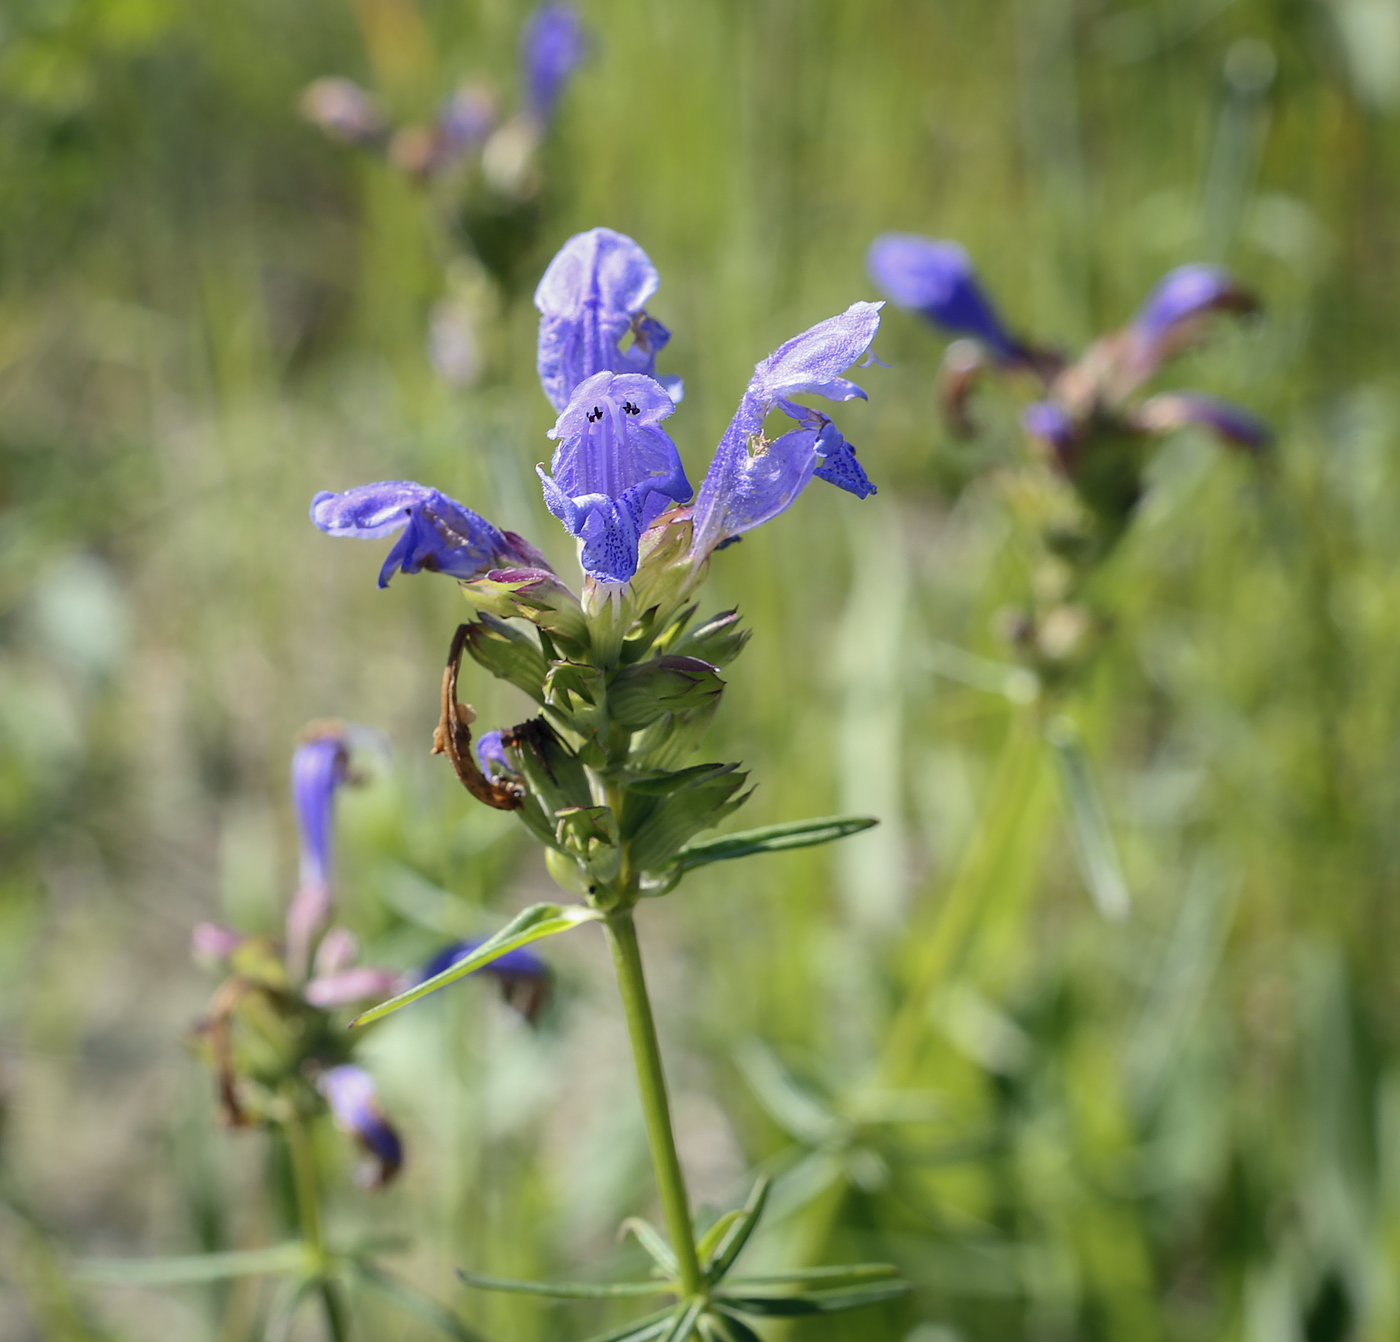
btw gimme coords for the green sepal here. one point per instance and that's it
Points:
(718, 641)
(534, 923)
(772, 839)
(731, 1243)
(508, 654)
(589, 835)
(813, 1302)
(674, 820)
(639, 1330)
(287, 1259)
(537, 596)
(640, 694)
(673, 739)
(567, 1290)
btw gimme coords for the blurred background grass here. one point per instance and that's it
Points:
(1182, 1126)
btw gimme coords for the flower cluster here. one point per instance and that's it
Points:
(273, 1034)
(467, 129)
(626, 681)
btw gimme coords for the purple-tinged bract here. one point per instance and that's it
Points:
(936, 280)
(615, 469)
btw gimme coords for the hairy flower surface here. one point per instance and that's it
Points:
(615, 469)
(936, 280)
(752, 480)
(592, 296)
(439, 534)
(552, 47)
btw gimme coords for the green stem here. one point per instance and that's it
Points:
(651, 1080)
(308, 1196)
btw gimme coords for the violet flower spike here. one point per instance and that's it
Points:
(1170, 317)
(752, 480)
(590, 298)
(349, 1091)
(615, 469)
(552, 47)
(439, 534)
(936, 279)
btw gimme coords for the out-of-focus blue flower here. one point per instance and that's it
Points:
(491, 755)
(1175, 409)
(1171, 319)
(591, 296)
(439, 534)
(936, 280)
(349, 1091)
(523, 976)
(1054, 426)
(752, 480)
(320, 764)
(466, 118)
(552, 47)
(615, 469)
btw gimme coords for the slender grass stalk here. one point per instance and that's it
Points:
(651, 1080)
(308, 1198)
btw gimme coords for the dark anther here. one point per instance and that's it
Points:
(453, 738)
(594, 414)
(630, 408)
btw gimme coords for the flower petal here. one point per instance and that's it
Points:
(936, 279)
(525, 977)
(349, 1091)
(552, 47)
(1230, 423)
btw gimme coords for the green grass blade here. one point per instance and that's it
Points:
(1093, 838)
(536, 922)
(772, 839)
(281, 1260)
(567, 1290)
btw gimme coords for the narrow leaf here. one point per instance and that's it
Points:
(283, 1259)
(539, 920)
(639, 1330)
(650, 1238)
(566, 1290)
(685, 1320)
(415, 1302)
(284, 1313)
(814, 1302)
(733, 1328)
(790, 1106)
(732, 1244)
(840, 1272)
(772, 839)
(1093, 838)
(706, 1245)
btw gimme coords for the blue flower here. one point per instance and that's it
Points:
(320, 765)
(936, 280)
(591, 296)
(491, 755)
(751, 479)
(1175, 409)
(1054, 426)
(1171, 318)
(524, 977)
(439, 533)
(552, 47)
(615, 469)
(349, 1091)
